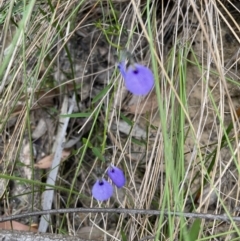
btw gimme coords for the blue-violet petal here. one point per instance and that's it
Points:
(102, 190)
(139, 79)
(117, 176)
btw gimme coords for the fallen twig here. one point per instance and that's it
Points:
(49, 193)
(221, 217)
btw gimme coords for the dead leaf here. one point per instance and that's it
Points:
(46, 162)
(40, 129)
(125, 128)
(13, 225)
(92, 233)
(145, 105)
(25, 158)
(65, 154)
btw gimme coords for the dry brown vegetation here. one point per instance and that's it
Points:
(178, 146)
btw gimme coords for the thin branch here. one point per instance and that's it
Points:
(124, 211)
(49, 193)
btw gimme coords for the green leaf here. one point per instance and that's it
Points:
(124, 237)
(77, 115)
(194, 230)
(138, 142)
(99, 96)
(86, 142)
(36, 183)
(97, 152)
(127, 120)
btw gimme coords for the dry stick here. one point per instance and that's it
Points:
(49, 193)
(124, 211)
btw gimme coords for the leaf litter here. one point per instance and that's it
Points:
(84, 65)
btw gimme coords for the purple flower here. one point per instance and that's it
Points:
(138, 79)
(102, 190)
(116, 175)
